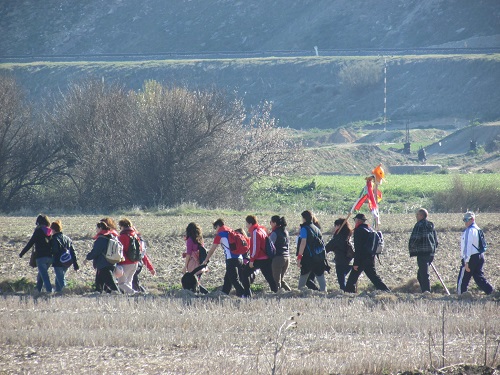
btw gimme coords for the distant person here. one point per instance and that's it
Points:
(194, 239)
(128, 234)
(62, 249)
(258, 255)
(341, 246)
(41, 238)
(234, 262)
(311, 254)
(364, 260)
(281, 239)
(423, 244)
(472, 258)
(104, 280)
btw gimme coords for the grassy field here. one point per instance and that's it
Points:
(337, 194)
(172, 331)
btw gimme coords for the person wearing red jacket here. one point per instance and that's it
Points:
(258, 255)
(127, 231)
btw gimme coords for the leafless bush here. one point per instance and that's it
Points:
(28, 150)
(360, 74)
(472, 195)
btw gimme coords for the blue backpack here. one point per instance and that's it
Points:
(482, 242)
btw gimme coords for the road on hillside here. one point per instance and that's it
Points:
(215, 55)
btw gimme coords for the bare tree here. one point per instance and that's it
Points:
(29, 157)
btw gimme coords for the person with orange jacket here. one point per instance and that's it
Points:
(258, 255)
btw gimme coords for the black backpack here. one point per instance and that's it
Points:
(202, 251)
(134, 249)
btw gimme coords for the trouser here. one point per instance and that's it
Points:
(125, 281)
(476, 263)
(312, 267)
(234, 273)
(368, 267)
(60, 278)
(423, 262)
(43, 278)
(265, 266)
(342, 270)
(136, 285)
(280, 266)
(310, 283)
(104, 280)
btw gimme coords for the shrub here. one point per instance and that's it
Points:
(361, 74)
(470, 195)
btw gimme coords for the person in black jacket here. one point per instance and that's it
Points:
(60, 244)
(341, 246)
(364, 261)
(279, 236)
(41, 238)
(422, 244)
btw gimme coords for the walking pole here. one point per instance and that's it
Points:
(440, 279)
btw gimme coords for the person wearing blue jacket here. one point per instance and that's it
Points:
(104, 280)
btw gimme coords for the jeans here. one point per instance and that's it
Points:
(60, 278)
(43, 278)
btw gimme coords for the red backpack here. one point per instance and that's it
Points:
(238, 243)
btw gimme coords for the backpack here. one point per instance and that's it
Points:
(114, 251)
(64, 255)
(134, 249)
(318, 244)
(375, 242)
(481, 242)
(202, 253)
(238, 243)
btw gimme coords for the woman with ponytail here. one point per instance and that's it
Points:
(311, 255)
(279, 236)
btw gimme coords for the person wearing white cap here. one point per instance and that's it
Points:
(472, 257)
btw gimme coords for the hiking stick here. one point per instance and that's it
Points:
(440, 279)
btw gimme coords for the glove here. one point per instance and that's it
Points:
(76, 267)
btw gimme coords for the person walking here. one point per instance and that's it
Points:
(194, 239)
(341, 246)
(42, 239)
(104, 280)
(364, 260)
(128, 234)
(258, 255)
(234, 262)
(423, 243)
(62, 245)
(472, 259)
(281, 240)
(311, 258)
(145, 261)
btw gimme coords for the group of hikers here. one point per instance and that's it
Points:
(118, 257)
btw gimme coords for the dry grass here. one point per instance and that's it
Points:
(226, 335)
(179, 333)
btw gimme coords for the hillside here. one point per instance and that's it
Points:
(321, 92)
(34, 27)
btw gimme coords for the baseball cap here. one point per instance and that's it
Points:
(468, 216)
